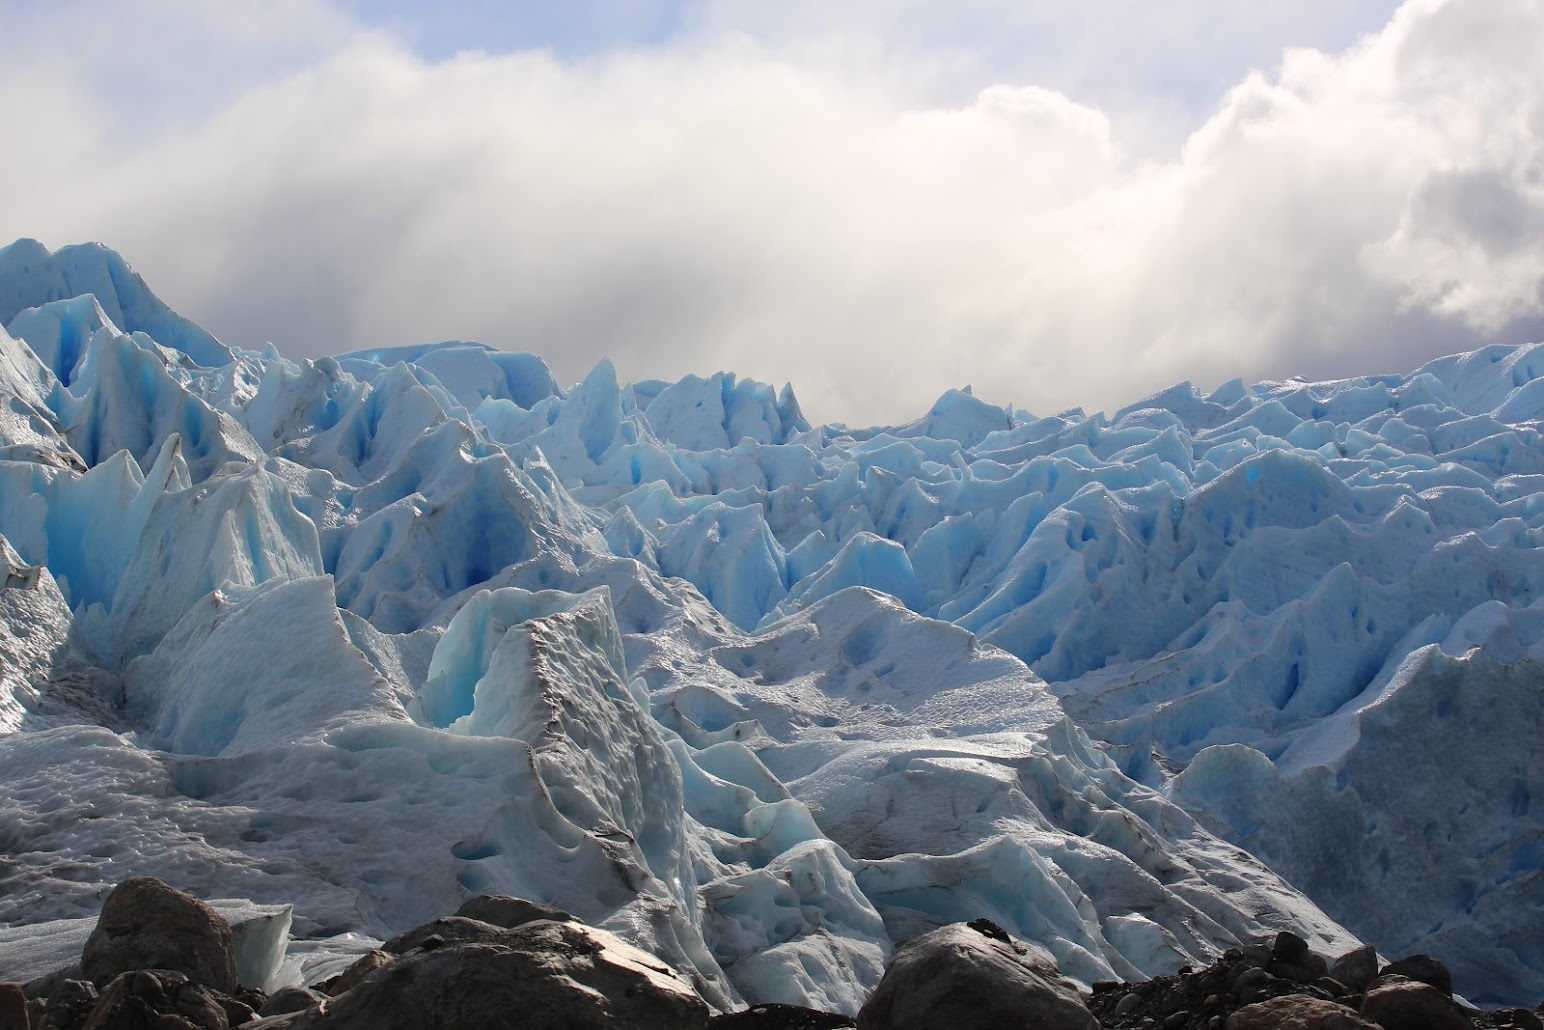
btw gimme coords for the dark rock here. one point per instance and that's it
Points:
(960, 978)
(1304, 971)
(253, 998)
(146, 924)
(1256, 955)
(363, 966)
(1255, 984)
(1356, 968)
(1513, 1019)
(1423, 968)
(70, 1002)
(1177, 1020)
(1129, 1003)
(1289, 947)
(1333, 987)
(13, 1008)
(236, 1011)
(1291, 960)
(987, 928)
(1297, 1012)
(291, 999)
(541, 976)
(507, 912)
(156, 999)
(449, 930)
(45, 985)
(781, 1017)
(1395, 1003)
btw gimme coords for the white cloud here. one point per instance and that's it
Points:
(719, 203)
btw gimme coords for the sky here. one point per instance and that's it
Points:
(1059, 204)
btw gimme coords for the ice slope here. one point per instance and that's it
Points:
(371, 634)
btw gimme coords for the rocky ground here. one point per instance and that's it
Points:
(163, 960)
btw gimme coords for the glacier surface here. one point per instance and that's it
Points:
(371, 634)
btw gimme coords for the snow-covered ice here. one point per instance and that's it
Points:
(368, 635)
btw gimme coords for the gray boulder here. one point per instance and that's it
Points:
(973, 975)
(544, 975)
(146, 924)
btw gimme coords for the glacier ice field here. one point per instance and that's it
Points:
(374, 633)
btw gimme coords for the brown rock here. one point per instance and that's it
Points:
(542, 976)
(146, 924)
(1400, 1004)
(363, 966)
(1356, 968)
(1289, 947)
(1297, 1012)
(13, 1008)
(502, 910)
(291, 999)
(781, 1017)
(963, 978)
(449, 930)
(1423, 968)
(156, 999)
(69, 1003)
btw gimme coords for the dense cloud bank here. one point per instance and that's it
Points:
(731, 199)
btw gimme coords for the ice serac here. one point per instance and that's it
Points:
(472, 372)
(30, 429)
(372, 634)
(548, 669)
(194, 694)
(239, 529)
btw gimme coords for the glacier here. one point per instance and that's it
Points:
(370, 634)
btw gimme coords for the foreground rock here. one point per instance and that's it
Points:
(1297, 1012)
(1258, 987)
(146, 924)
(1397, 1003)
(973, 975)
(146, 998)
(781, 1017)
(508, 963)
(544, 975)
